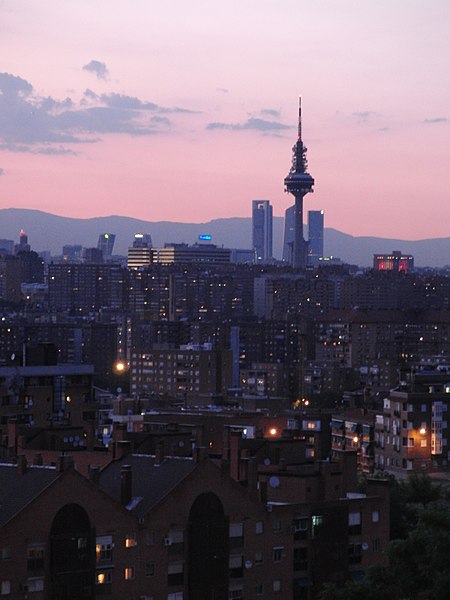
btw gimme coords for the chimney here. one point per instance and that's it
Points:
(94, 473)
(121, 448)
(22, 464)
(126, 480)
(64, 463)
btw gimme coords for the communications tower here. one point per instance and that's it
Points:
(299, 183)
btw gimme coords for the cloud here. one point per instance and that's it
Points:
(270, 112)
(251, 124)
(436, 120)
(222, 90)
(2, 171)
(98, 68)
(45, 125)
(364, 116)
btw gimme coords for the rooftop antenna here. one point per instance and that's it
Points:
(300, 118)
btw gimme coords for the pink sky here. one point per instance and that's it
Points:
(376, 109)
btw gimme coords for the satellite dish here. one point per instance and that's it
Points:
(274, 482)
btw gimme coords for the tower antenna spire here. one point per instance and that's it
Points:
(300, 118)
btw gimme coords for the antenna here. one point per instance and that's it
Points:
(299, 117)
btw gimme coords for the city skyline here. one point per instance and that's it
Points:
(164, 113)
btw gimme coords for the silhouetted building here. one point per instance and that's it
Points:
(262, 228)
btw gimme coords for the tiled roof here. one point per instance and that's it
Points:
(151, 482)
(17, 491)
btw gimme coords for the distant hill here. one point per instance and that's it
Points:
(50, 232)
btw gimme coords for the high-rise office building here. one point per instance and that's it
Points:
(315, 236)
(299, 182)
(288, 239)
(140, 254)
(262, 230)
(106, 244)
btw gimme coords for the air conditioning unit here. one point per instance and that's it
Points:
(167, 541)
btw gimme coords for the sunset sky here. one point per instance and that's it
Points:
(186, 111)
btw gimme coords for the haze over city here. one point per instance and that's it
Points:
(187, 111)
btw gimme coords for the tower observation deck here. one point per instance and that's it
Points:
(299, 182)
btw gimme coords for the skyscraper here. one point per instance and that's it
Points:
(288, 239)
(315, 236)
(299, 183)
(106, 244)
(262, 230)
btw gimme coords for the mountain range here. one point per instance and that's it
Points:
(51, 232)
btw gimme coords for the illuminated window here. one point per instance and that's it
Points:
(128, 573)
(103, 548)
(259, 527)
(317, 522)
(130, 541)
(375, 516)
(104, 577)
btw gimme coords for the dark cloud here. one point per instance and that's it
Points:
(251, 124)
(270, 112)
(30, 123)
(436, 120)
(98, 68)
(2, 171)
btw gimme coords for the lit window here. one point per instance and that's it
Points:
(103, 547)
(128, 573)
(317, 522)
(130, 541)
(375, 516)
(259, 527)
(104, 577)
